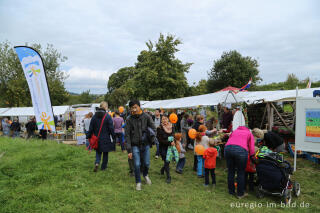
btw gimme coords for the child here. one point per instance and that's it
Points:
(201, 139)
(250, 171)
(182, 151)
(210, 156)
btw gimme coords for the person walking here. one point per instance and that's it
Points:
(157, 121)
(86, 122)
(102, 120)
(118, 122)
(138, 142)
(31, 127)
(15, 128)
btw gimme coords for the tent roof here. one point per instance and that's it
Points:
(28, 111)
(229, 88)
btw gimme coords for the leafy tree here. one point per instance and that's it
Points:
(160, 75)
(200, 88)
(232, 69)
(118, 79)
(13, 85)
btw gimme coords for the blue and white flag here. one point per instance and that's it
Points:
(247, 85)
(33, 70)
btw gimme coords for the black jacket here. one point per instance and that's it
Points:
(196, 126)
(136, 126)
(272, 140)
(105, 143)
(31, 126)
(162, 137)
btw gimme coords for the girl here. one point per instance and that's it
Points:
(165, 133)
(201, 139)
(181, 149)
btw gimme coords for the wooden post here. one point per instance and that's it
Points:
(283, 121)
(263, 117)
(271, 118)
(269, 112)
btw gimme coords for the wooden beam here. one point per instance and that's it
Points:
(269, 114)
(263, 117)
(283, 121)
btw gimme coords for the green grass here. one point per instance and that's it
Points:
(37, 176)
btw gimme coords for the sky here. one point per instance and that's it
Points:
(99, 37)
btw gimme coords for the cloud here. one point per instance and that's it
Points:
(107, 35)
(81, 79)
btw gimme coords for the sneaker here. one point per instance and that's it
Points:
(243, 196)
(190, 146)
(96, 168)
(178, 171)
(169, 180)
(138, 187)
(205, 185)
(157, 156)
(148, 181)
(200, 176)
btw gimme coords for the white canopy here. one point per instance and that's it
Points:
(228, 97)
(28, 111)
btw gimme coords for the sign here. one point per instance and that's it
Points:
(80, 116)
(312, 125)
(34, 72)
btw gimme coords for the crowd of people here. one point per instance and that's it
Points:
(139, 130)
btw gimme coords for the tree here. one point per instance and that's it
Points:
(291, 82)
(232, 69)
(13, 85)
(160, 75)
(200, 88)
(119, 97)
(118, 79)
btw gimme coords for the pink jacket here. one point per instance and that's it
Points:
(242, 137)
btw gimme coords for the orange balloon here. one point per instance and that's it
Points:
(199, 149)
(110, 113)
(121, 109)
(192, 133)
(173, 118)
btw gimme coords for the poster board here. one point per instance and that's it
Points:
(80, 115)
(308, 124)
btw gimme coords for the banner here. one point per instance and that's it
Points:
(313, 125)
(33, 70)
(80, 115)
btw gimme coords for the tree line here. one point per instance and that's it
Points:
(157, 75)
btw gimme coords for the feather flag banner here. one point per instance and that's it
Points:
(34, 72)
(309, 84)
(247, 85)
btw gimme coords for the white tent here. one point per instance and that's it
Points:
(28, 111)
(228, 97)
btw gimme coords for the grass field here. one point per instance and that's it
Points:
(37, 176)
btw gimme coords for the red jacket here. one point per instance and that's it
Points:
(250, 166)
(210, 156)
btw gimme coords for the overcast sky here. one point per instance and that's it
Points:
(99, 37)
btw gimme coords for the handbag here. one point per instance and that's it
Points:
(93, 141)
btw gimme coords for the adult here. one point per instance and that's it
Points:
(184, 128)
(165, 136)
(86, 122)
(5, 127)
(227, 117)
(105, 144)
(138, 143)
(15, 128)
(118, 123)
(270, 139)
(31, 127)
(157, 121)
(240, 143)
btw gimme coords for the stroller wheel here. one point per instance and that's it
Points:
(296, 188)
(259, 193)
(287, 196)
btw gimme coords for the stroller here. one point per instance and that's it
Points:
(274, 176)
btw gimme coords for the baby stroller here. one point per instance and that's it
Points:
(274, 176)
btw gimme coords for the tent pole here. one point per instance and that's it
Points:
(263, 117)
(295, 120)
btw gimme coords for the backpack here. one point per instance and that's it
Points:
(94, 140)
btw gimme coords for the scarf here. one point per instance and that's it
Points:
(167, 127)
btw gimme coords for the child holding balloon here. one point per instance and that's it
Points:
(202, 143)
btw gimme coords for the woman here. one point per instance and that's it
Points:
(118, 123)
(86, 122)
(270, 139)
(240, 143)
(105, 145)
(165, 134)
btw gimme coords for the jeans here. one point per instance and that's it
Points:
(104, 161)
(180, 164)
(195, 163)
(200, 165)
(236, 157)
(145, 152)
(206, 176)
(16, 134)
(119, 138)
(158, 151)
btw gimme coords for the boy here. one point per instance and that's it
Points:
(210, 156)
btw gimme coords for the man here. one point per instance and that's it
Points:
(15, 128)
(105, 144)
(227, 118)
(31, 126)
(138, 142)
(157, 121)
